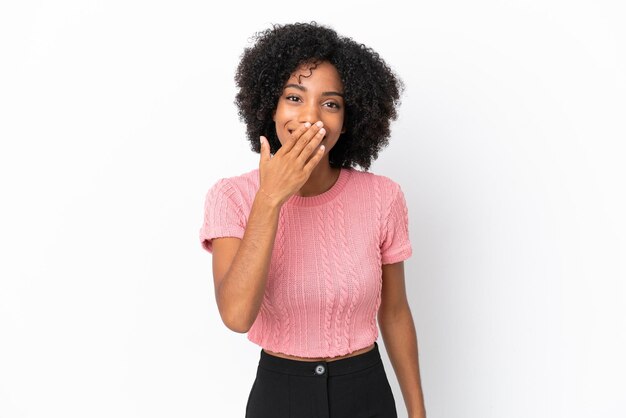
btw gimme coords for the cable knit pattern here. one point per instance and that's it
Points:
(325, 276)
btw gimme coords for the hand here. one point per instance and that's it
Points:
(289, 169)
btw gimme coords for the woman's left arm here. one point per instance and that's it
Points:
(398, 331)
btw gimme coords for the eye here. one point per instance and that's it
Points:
(333, 105)
(292, 97)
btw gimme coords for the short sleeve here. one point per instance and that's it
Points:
(396, 245)
(223, 214)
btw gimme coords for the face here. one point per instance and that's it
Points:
(316, 96)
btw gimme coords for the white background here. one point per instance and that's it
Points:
(117, 116)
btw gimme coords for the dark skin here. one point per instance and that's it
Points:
(310, 101)
(317, 95)
(312, 97)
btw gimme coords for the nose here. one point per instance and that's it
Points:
(309, 112)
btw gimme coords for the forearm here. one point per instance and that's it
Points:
(398, 332)
(240, 293)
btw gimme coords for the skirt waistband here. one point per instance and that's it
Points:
(321, 368)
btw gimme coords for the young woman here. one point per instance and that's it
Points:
(308, 252)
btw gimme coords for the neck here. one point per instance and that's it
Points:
(322, 178)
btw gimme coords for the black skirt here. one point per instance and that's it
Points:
(352, 387)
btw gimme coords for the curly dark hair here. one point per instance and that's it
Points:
(371, 89)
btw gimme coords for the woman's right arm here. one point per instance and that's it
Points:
(240, 266)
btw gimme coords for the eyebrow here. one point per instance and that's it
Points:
(302, 88)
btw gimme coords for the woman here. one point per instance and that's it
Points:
(308, 252)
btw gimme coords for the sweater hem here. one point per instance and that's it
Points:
(341, 352)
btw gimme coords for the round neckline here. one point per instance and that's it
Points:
(327, 196)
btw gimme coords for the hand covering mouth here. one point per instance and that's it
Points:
(291, 131)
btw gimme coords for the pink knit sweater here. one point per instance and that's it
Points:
(324, 283)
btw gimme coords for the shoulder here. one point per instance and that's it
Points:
(237, 189)
(384, 186)
(239, 183)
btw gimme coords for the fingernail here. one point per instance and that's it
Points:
(307, 124)
(319, 123)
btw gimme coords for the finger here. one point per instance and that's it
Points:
(295, 135)
(303, 141)
(312, 145)
(315, 159)
(265, 149)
